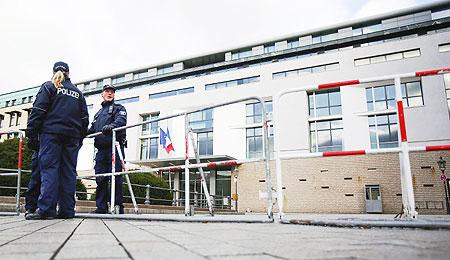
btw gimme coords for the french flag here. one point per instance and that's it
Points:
(165, 141)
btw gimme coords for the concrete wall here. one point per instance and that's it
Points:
(317, 185)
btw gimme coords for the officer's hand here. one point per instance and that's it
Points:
(33, 143)
(107, 129)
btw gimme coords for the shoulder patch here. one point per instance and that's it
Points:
(124, 113)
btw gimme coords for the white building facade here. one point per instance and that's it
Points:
(347, 118)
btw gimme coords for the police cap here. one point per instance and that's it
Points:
(60, 66)
(105, 87)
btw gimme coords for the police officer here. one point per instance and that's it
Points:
(110, 116)
(34, 186)
(59, 120)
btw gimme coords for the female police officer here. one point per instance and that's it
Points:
(59, 119)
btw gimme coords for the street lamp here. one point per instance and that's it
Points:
(441, 163)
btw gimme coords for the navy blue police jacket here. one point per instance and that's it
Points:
(110, 114)
(59, 111)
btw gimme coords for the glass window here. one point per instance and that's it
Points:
(307, 70)
(411, 54)
(171, 93)
(2, 117)
(231, 83)
(100, 83)
(412, 94)
(357, 31)
(149, 148)
(254, 142)
(383, 97)
(117, 80)
(241, 54)
(360, 62)
(150, 128)
(269, 48)
(140, 75)
(334, 66)
(254, 112)
(164, 69)
(12, 119)
(378, 59)
(372, 28)
(383, 131)
(447, 89)
(440, 14)
(293, 44)
(201, 121)
(380, 98)
(444, 47)
(325, 103)
(205, 143)
(127, 100)
(254, 135)
(326, 135)
(394, 56)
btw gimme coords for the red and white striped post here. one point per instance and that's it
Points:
(409, 206)
(406, 177)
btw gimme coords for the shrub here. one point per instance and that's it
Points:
(152, 180)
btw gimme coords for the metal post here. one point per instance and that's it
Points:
(405, 165)
(236, 198)
(19, 172)
(113, 170)
(266, 160)
(276, 140)
(445, 182)
(147, 195)
(187, 208)
(176, 187)
(130, 188)
(202, 174)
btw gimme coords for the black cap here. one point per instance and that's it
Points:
(105, 87)
(60, 66)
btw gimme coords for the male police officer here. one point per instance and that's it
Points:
(110, 116)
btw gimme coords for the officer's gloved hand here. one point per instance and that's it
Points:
(33, 143)
(107, 129)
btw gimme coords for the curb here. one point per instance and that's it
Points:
(387, 223)
(182, 218)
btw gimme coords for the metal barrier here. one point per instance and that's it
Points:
(147, 199)
(409, 209)
(187, 164)
(14, 172)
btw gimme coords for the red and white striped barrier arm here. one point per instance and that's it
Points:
(368, 80)
(363, 152)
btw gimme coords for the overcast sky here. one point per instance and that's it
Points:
(98, 38)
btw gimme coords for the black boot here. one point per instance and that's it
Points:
(36, 216)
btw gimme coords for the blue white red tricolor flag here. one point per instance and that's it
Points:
(165, 141)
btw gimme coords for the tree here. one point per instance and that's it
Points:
(9, 151)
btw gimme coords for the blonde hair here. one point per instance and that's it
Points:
(58, 78)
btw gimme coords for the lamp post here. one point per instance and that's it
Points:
(236, 191)
(441, 163)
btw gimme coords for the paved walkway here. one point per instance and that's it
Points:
(87, 238)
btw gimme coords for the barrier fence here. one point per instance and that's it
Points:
(408, 202)
(16, 172)
(409, 209)
(187, 164)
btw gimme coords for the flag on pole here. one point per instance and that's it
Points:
(165, 141)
